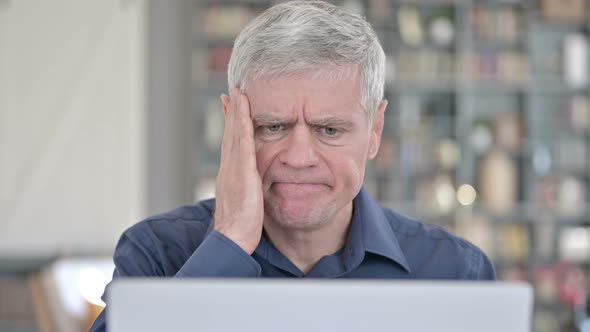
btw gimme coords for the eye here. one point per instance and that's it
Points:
(274, 128)
(329, 131)
(271, 130)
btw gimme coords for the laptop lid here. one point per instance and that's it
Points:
(263, 305)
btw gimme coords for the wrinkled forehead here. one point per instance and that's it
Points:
(324, 91)
(304, 70)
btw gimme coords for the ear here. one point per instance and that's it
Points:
(376, 130)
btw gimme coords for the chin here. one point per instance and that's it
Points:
(297, 216)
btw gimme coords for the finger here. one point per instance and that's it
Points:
(243, 115)
(225, 102)
(234, 119)
(246, 143)
(246, 125)
(226, 143)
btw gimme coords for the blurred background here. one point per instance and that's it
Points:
(110, 112)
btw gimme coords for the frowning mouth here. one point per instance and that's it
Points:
(298, 188)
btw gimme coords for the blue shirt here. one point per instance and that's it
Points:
(380, 244)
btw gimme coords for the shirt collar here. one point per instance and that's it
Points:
(371, 231)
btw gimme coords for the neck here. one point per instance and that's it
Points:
(305, 247)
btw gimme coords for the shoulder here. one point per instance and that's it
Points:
(436, 252)
(168, 239)
(189, 220)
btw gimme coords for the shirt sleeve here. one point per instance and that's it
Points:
(217, 256)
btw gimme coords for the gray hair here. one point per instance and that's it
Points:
(309, 36)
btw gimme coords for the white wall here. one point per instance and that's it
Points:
(72, 124)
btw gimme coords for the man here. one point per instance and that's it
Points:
(304, 114)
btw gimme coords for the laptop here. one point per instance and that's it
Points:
(265, 305)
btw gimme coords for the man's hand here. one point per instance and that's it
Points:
(239, 210)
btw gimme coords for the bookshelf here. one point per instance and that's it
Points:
(487, 132)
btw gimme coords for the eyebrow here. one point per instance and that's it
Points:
(332, 121)
(268, 118)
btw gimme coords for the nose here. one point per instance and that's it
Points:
(300, 150)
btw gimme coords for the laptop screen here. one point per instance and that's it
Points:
(317, 305)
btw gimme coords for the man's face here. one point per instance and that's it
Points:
(312, 140)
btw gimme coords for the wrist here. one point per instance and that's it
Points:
(238, 239)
